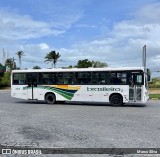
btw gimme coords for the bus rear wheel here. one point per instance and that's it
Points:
(116, 100)
(50, 98)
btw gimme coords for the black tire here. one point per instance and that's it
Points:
(116, 100)
(50, 98)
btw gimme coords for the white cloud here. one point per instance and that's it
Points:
(123, 45)
(16, 27)
(149, 14)
(44, 46)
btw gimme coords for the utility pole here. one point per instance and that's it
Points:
(144, 57)
(4, 57)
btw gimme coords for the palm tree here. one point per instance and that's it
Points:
(20, 54)
(52, 57)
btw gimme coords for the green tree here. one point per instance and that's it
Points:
(20, 54)
(52, 57)
(36, 67)
(84, 63)
(5, 80)
(98, 64)
(2, 69)
(10, 64)
(155, 83)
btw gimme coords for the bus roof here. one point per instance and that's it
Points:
(78, 69)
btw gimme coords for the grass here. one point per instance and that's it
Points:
(154, 88)
(154, 96)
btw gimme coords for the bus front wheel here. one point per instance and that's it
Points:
(50, 98)
(116, 100)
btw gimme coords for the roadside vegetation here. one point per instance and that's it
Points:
(155, 83)
(154, 88)
(5, 80)
(154, 96)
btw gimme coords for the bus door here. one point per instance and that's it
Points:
(135, 86)
(32, 86)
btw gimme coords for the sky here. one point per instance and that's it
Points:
(110, 31)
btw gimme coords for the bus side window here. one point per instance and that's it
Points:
(15, 82)
(139, 80)
(19, 79)
(118, 77)
(64, 78)
(22, 82)
(47, 78)
(116, 80)
(102, 77)
(83, 77)
(135, 79)
(95, 77)
(70, 77)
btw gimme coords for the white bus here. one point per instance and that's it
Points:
(112, 85)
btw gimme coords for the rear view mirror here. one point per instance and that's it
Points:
(149, 77)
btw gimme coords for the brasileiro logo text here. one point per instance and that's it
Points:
(104, 89)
